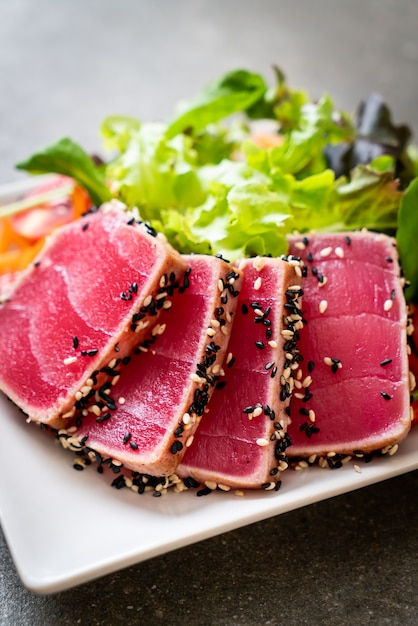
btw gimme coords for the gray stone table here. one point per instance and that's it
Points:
(64, 65)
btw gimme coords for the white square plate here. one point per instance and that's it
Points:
(65, 527)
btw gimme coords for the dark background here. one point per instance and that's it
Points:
(64, 66)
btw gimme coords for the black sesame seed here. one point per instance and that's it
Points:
(85, 226)
(259, 345)
(311, 365)
(248, 409)
(75, 343)
(126, 437)
(204, 492)
(348, 240)
(103, 418)
(231, 362)
(385, 362)
(309, 257)
(190, 482)
(133, 445)
(220, 384)
(385, 395)
(176, 447)
(388, 259)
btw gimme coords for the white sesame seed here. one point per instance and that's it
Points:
(262, 442)
(312, 415)
(167, 304)
(240, 493)
(257, 411)
(307, 381)
(325, 251)
(197, 379)
(229, 357)
(339, 252)
(323, 305)
(312, 458)
(115, 380)
(300, 245)
(224, 330)
(298, 271)
(328, 361)
(121, 400)
(357, 469)
(220, 285)
(258, 263)
(189, 441)
(78, 395)
(393, 450)
(287, 334)
(186, 418)
(161, 295)
(210, 332)
(215, 323)
(257, 284)
(147, 300)
(224, 487)
(69, 360)
(387, 305)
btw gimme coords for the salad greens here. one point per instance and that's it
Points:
(68, 158)
(243, 165)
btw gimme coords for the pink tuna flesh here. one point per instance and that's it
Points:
(163, 392)
(355, 311)
(242, 440)
(71, 312)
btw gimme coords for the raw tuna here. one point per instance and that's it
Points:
(354, 346)
(163, 392)
(84, 303)
(242, 440)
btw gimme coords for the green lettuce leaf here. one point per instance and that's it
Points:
(234, 92)
(407, 238)
(68, 158)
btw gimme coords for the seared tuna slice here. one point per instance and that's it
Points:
(354, 346)
(413, 358)
(163, 392)
(242, 440)
(81, 307)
